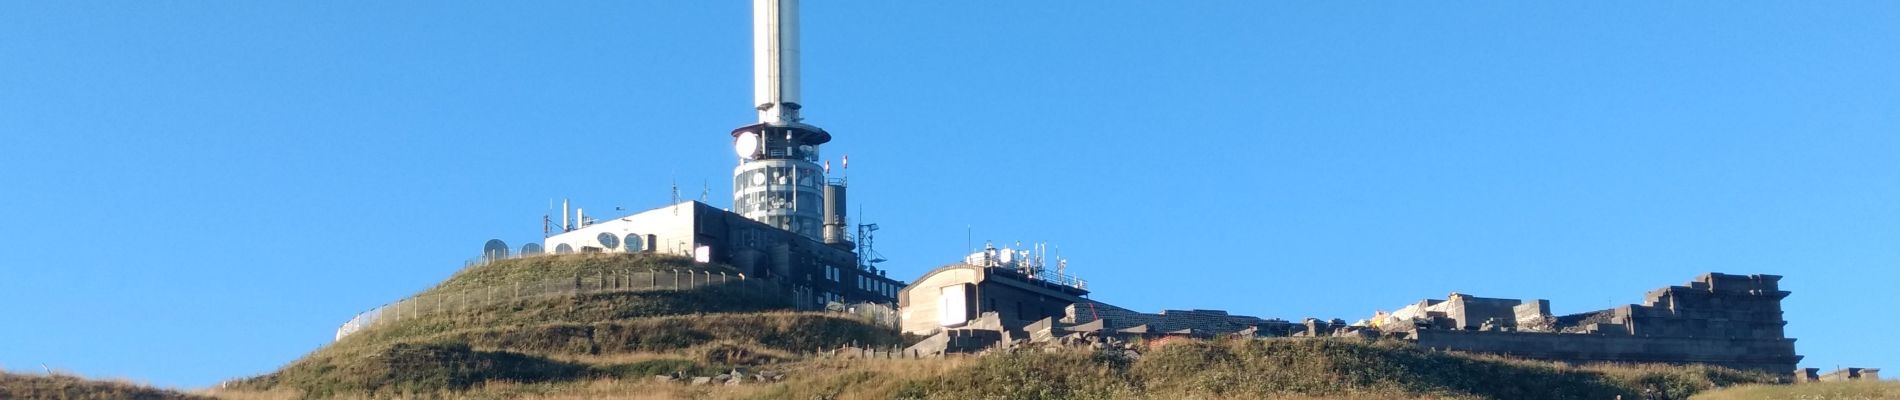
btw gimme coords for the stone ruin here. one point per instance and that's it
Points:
(1806, 375)
(1727, 320)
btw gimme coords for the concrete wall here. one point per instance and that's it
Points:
(918, 304)
(1470, 312)
(1016, 299)
(1728, 320)
(672, 227)
(1772, 356)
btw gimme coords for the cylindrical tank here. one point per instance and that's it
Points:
(835, 215)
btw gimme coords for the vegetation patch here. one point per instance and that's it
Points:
(662, 366)
(1853, 390)
(1271, 368)
(503, 273)
(406, 368)
(24, 386)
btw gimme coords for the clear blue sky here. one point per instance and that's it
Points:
(204, 190)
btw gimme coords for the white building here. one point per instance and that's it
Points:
(816, 272)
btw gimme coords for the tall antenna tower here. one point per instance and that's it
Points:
(778, 180)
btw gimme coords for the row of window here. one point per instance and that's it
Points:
(865, 282)
(886, 289)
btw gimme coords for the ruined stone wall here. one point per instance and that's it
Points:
(1728, 320)
(1202, 321)
(1771, 356)
(1469, 312)
(1714, 305)
(1851, 374)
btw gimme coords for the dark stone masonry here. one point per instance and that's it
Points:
(1720, 319)
(1728, 320)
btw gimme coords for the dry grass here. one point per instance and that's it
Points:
(858, 378)
(1293, 369)
(537, 268)
(1857, 390)
(68, 386)
(609, 346)
(1244, 369)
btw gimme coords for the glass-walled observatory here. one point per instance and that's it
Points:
(778, 180)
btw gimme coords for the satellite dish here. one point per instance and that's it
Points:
(495, 249)
(564, 249)
(608, 240)
(747, 145)
(531, 249)
(635, 243)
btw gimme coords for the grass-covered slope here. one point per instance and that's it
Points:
(610, 345)
(558, 338)
(23, 386)
(1858, 390)
(1253, 369)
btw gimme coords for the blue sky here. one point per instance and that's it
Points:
(197, 191)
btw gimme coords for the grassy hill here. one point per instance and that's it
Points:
(1247, 369)
(23, 386)
(1808, 391)
(611, 345)
(562, 338)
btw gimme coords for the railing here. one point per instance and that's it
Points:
(1063, 279)
(880, 314)
(579, 284)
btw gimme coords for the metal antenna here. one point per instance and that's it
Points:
(775, 60)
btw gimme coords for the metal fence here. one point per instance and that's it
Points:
(589, 283)
(880, 314)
